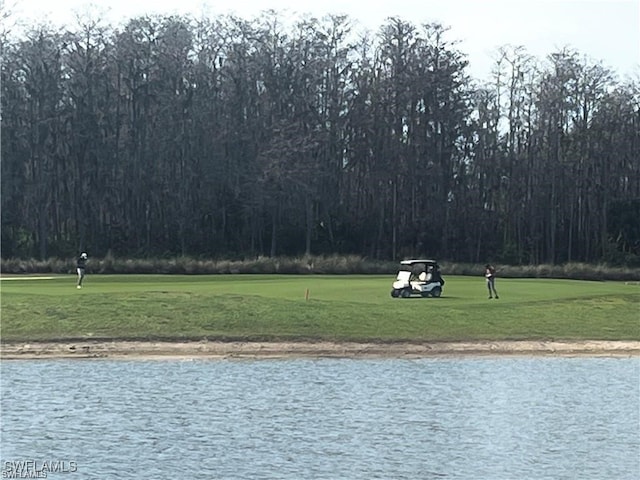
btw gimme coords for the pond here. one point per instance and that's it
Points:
(441, 418)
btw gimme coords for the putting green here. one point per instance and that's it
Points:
(314, 307)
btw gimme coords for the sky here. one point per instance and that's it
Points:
(606, 31)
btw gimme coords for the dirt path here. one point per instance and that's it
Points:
(215, 349)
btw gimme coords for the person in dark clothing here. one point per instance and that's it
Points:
(81, 265)
(490, 275)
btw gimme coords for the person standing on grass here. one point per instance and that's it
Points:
(81, 265)
(490, 275)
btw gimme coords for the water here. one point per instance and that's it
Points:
(460, 418)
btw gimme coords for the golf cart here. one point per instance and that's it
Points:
(418, 277)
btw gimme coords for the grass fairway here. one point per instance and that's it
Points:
(339, 308)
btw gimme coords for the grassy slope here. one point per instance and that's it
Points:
(339, 308)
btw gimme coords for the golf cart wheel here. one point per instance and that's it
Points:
(406, 293)
(395, 293)
(436, 292)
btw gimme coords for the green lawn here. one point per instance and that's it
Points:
(270, 307)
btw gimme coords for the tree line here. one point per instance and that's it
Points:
(227, 137)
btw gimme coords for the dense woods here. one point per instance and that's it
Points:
(227, 137)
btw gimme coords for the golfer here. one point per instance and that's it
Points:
(80, 268)
(490, 275)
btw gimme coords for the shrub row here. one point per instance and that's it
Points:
(333, 264)
(574, 271)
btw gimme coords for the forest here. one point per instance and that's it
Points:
(225, 137)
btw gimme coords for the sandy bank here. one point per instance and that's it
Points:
(216, 349)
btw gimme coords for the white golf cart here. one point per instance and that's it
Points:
(418, 277)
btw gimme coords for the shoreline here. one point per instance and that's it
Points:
(143, 350)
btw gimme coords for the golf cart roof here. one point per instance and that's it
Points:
(413, 262)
